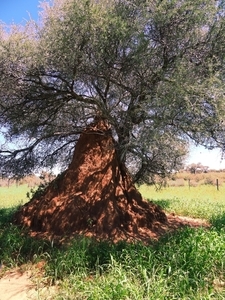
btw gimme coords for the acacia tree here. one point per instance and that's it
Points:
(153, 69)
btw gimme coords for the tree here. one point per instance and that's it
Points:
(197, 168)
(153, 70)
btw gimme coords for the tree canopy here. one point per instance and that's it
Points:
(153, 69)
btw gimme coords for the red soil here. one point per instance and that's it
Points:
(95, 197)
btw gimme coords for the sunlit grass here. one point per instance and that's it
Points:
(203, 201)
(13, 195)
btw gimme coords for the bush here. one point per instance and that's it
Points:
(209, 180)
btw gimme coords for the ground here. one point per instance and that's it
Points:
(24, 283)
(159, 229)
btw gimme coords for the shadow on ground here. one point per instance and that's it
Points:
(18, 247)
(218, 222)
(164, 203)
(185, 250)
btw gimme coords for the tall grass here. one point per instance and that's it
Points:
(188, 264)
(182, 266)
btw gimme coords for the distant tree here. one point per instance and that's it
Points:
(153, 69)
(197, 168)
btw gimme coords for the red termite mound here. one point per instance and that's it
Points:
(95, 196)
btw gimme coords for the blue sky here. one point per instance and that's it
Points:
(18, 11)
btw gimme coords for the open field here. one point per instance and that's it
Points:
(188, 264)
(203, 201)
(198, 179)
(13, 195)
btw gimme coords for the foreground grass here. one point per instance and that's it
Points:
(187, 265)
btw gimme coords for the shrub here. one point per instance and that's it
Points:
(209, 180)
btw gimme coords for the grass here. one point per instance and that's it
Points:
(13, 195)
(203, 201)
(187, 265)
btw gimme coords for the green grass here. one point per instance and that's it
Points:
(201, 202)
(189, 264)
(13, 195)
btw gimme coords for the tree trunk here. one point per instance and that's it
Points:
(94, 196)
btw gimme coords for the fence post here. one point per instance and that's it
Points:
(217, 184)
(189, 183)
